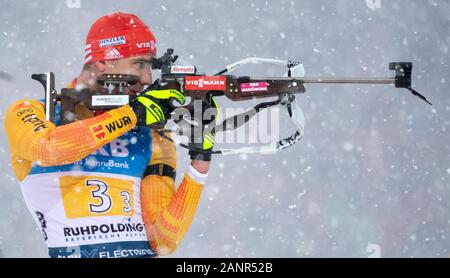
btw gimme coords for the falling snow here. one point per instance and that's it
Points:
(371, 177)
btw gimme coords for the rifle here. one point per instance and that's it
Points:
(240, 88)
(203, 87)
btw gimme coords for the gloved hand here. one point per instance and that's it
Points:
(154, 106)
(202, 137)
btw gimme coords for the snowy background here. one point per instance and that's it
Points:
(371, 177)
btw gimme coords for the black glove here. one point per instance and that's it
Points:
(199, 125)
(154, 106)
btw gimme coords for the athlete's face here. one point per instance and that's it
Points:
(137, 65)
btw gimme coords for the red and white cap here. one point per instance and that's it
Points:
(116, 36)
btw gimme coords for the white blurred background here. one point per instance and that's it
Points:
(371, 177)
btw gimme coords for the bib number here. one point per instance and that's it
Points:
(85, 196)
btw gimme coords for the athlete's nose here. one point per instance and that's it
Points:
(146, 78)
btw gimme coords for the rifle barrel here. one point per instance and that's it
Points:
(329, 80)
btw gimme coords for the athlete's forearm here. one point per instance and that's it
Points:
(167, 213)
(33, 138)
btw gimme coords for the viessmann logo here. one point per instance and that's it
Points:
(205, 83)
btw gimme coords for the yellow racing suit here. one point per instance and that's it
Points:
(100, 187)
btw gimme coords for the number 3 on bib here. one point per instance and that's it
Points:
(85, 196)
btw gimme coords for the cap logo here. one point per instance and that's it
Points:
(113, 54)
(150, 44)
(112, 41)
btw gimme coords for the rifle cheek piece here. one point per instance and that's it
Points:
(111, 96)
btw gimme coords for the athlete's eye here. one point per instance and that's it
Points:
(141, 65)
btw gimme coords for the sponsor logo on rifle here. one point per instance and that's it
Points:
(118, 124)
(182, 69)
(99, 132)
(205, 83)
(112, 41)
(254, 87)
(110, 100)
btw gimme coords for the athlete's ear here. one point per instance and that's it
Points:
(100, 65)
